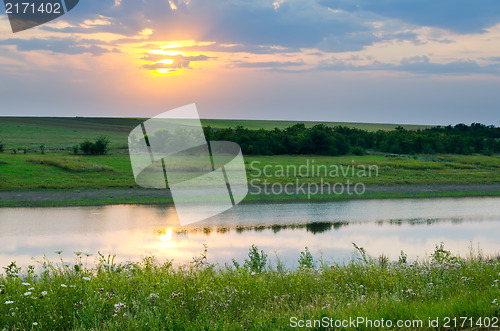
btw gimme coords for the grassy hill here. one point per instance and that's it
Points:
(63, 132)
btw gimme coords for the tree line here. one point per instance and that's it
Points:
(340, 140)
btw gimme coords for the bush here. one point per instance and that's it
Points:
(2, 146)
(99, 147)
(257, 262)
(86, 147)
(306, 260)
(358, 150)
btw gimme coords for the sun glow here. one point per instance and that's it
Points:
(166, 61)
(166, 71)
(163, 52)
(166, 235)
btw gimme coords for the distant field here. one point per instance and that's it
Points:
(64, 132)
(255, 125)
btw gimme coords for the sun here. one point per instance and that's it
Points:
(166, 235)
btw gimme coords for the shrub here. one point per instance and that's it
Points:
(42, 149)
(358, 150)
(75, 149)
(2, 146)
(306, 260)
(257, 262)
(99, 147)
(86, 147)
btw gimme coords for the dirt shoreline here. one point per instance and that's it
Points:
(136, 193)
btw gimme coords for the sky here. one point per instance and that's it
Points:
(379, 61)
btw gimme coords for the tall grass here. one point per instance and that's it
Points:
(248, 295)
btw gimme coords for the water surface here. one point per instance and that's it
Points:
(328, 228)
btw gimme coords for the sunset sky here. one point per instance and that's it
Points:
(392, 61)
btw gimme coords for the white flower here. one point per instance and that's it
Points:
(253, 273)
(44, 292)
(86, 278)
(26, 284)
(64, 285)
(66, 264)
(31, 289)
(27, 293)
(119, 306)
(35, 323)
(8, 302)
(72, 286)
(494, 302)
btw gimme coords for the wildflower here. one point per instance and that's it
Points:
(176, 293)
(8, 302)
(154, 296)
(64, 285)
(58, 252)
(86, 278)
(44, 292)
(27, 293)
(31, 289)
(66, 264)
(72, 286)
(78, 253)
(87, 254)
(35, 323)
(26, 284)
(253, 273)
(495, 302)
(119, 307)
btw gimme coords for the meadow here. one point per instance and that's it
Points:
(38, 156)
(64, 132)
(62, 170)
(253, 294)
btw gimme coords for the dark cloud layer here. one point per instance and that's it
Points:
(331, 25)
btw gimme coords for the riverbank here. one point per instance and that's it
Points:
(435, 293)
(60, 198)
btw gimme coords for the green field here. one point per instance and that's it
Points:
(62, 170)
(252, 294)
(64, 132)
(24, 168)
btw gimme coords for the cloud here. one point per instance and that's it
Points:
(59, 45)
(260, 26)
(240, 48)
(460, 16)
(268, 65)
(416, 65)
(177, 61)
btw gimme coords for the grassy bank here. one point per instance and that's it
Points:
(251, 294)
(61, 170)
